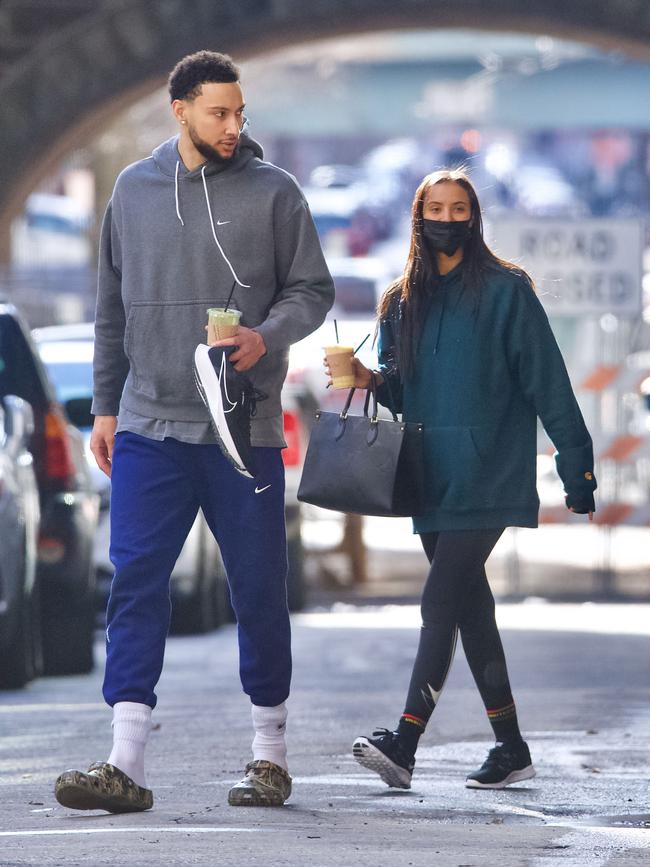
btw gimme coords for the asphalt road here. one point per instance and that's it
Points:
(582, 682)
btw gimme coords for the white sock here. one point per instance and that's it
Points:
(131, 727)
(270, 725)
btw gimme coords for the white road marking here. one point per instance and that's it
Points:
(600, 618)
(50, 706)
(176, 829)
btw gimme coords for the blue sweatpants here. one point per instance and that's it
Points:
(157, 489)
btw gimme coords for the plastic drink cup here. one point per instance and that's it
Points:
(222, 323)
(339, 359)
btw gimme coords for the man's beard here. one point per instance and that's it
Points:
(207, 151)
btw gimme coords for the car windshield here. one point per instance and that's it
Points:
(355, 295)
(70, 366)
(328, 222)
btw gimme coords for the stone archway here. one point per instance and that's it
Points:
(79, 67)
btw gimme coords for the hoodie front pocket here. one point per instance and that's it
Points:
(456, 468)
(159, 341)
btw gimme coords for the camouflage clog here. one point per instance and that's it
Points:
(265, 784)
(102, 787)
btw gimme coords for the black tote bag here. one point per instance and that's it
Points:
(364, 464)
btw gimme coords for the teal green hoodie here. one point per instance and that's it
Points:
(485, 370)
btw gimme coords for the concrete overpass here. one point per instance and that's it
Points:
(67, 66)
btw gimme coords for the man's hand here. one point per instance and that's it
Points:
(102, 440)
(251, 348)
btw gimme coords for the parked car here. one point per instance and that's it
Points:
(20, 618)
(356, 204)
(359, 283)
(65, 574)
(345, 222)
(200, 597)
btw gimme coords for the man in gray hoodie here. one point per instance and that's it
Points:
(203, 218)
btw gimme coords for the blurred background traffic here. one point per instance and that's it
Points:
(556, 137)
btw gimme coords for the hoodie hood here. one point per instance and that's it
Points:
(168, 160)
(166, 157)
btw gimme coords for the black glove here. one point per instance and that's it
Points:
(581, 502)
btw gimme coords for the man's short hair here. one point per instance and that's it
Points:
(192, 71)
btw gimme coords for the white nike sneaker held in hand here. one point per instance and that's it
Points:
(230, 399)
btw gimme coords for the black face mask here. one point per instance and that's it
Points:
(445, 236)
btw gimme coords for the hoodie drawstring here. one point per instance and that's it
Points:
(214, 233)
(440, 318)
(178, 213)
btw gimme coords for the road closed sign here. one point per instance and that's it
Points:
(579, 266)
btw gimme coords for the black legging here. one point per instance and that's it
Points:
(457, 597)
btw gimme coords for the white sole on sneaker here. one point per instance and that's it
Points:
(204, 371)
(373, 759)
(513, 777)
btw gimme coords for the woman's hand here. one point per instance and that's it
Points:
(361, 374)
(581, 503)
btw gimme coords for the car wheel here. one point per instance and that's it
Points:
(222, 605)
(209, 606)
(20, 660)
(68, 635)
(296, 591)
(36, 630)
(195, 614)
(16, 661)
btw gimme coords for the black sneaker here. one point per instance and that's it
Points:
(505, 764)
(230, 399)
(385, 755)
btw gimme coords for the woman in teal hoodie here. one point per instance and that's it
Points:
(466, 348)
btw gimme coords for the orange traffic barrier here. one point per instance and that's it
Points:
(602, 377)
(606, 515)
(612, 514)
(623, 447)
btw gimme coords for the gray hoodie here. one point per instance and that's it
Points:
(173, 243)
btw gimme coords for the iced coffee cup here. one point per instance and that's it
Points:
(222, 323)
(339, 359)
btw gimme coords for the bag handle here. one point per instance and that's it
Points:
(373, 387)
(371, 391)
(346, 408)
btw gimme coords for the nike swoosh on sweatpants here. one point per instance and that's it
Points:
(261, 490)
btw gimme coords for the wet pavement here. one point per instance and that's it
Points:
(581, 680)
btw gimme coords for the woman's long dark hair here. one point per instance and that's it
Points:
(421, 271)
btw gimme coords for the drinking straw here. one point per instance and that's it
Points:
(230, 296)
(361, 344)
(336, 329)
